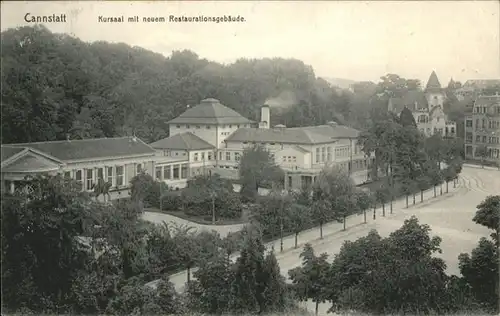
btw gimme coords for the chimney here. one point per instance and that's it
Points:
(265, 116)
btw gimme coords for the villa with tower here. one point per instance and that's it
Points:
(427, 108)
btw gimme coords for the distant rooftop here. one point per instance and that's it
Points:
(210, 111)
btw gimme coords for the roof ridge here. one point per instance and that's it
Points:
(71, 140)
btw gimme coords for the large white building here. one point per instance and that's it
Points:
(212, 138)
(427, 108)
(207, 138)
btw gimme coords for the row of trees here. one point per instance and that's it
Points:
(406, 162)
(400, 275)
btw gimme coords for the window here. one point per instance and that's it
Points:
(209, 155)
(208, 126)
(202, 156)
(178, 126)
(176, 172)
(228, 156)
(120, 174)
(272, 144)
(478, 139)
(245, 143)
(289, 158)
(284, 158)
(317, 155)
(195, 156)
(110, 175)
(166, 173)
(100, 174)
(139, 168)
(220, 155)
(90, 178)
(453, 130)
(294, 159)
(237, 126)
(67, 175)
(237, 156)
(468, 123)
(484, 123)
(484, 139)
(289, 182)
(329, 153)
(184, 171)
(78, 176)
(323, 154)
(198, 126)
(230, 126)
(158, 173)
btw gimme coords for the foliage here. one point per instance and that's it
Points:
(257, 169)
(397, 274)
(311, 279)
(104, 89)
(406, 118)
(488, 214)
(41, 254)
(207, 194)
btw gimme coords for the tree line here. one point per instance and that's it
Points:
(62, 252)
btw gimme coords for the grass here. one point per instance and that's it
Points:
(202, 220)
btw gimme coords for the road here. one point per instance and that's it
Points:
(449, 216)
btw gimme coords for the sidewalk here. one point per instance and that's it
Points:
(479, 167)
(313, 234)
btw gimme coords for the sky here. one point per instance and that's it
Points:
(351, 40)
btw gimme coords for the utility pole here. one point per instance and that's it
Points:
(213, 207)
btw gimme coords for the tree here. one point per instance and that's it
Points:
(364, 202)
(257, 168)
(436, 177)
(488, 215)
(257, 279)
(449, 175)
(322, 212)
(211, 196)
(310, 279)
(406, 118)
(423, 182)
(188, 250)
(480, 271)
(300, 219)
(41, 254)
(397, 274)
(211, 291)
(382, 196)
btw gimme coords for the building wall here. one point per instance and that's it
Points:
(482, 128)
(435, 99)
(213, 134)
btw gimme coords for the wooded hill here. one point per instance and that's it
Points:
(55, 84)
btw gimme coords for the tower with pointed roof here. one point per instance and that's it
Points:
(434, 93)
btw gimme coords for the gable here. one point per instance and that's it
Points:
(31, 162)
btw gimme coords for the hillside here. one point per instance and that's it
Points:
(54, 85)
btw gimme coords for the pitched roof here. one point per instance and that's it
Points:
(31, 163)
(487, 100)
(298, 135)
(182, 141)
(409, 99)
(85, 149)
(9, 151)
(481, 84)
(433, 83)
(210, 111)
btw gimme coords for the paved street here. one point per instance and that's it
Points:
(450, 217)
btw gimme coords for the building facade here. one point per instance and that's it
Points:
(114, 160)
(214, 137)
(427, 108)
(482, 129)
